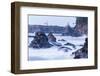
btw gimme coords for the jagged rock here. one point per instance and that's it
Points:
(52, 40)
(40, 41)
(83, 52)
(51, 37)
(69, 31)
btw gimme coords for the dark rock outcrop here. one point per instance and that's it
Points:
(69, 31)
(80, 28)
(51, 37)
(52, 40)
(83, 52)
(81, 25)
(40, 41)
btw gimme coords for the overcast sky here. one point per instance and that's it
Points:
(52, 20)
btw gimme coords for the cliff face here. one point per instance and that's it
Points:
(81, 25)
(80, 28)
